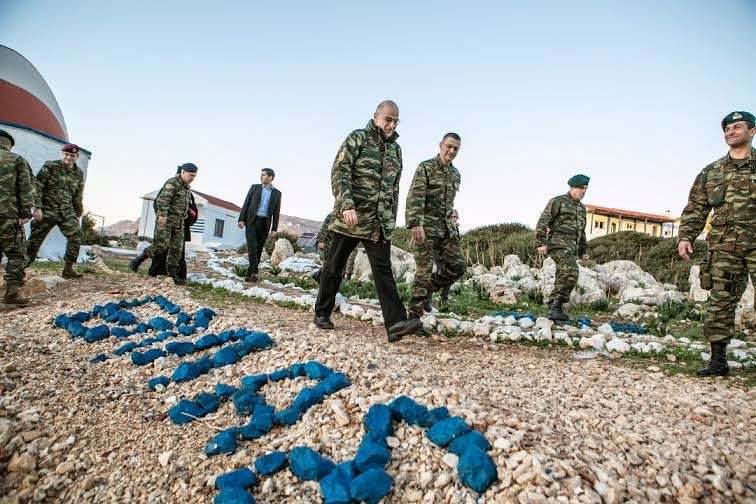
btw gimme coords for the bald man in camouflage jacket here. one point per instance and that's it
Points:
(365, 183)
(430, 204)
(726, 187)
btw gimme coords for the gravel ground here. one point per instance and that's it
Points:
(563, 429)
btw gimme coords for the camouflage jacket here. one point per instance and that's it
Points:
(61, 189)
(16, 186)
(562, 225)
(728, 188)
(173, 201)
(365, 177)
(431, 198)
(324, 232)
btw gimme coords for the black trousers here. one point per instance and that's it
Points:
(379, 255)
(256, 234)
(158, 265)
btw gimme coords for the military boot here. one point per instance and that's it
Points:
(69, 272)
(718, 364)
(173, 273)
(11, 299)
(556, 314)
(138, 260)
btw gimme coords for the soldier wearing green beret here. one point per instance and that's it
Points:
(726, 188)
(16, 202)
(560, 233)
(171, 207)
(60, 185)
(430, 204)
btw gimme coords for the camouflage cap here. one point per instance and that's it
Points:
(72, 148)
(579, 181)
(188, 167)
(7, 135)
(738, 115)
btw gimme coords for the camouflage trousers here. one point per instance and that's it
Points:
(69, 226)
(451, 268)
(169, 237)
(566, 274)
(13, 244)
(729, 278)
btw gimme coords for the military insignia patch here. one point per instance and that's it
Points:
(342, 154)
(737, 115)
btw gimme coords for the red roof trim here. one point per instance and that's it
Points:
(630, 213)
(218, 202)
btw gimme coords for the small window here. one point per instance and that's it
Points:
(628, 226)
(600, 225)
(218, 233)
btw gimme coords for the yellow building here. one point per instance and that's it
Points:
(601, 221)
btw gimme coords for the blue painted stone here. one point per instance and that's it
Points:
(187, 330)
(224, 442)
(61, 321)
(259, 340)
(172, 309)
(204, 364)
(97, 333)
(180, 348)
(158, 380)
(208, 402)
(333, 383)
(444, 432)
(207, 313)
(307, 464)
(270, 463)
(476, 469)
(186, 371)
(142, 358)
(146, 299)
(472, 438)
(279, 375)
(207, 341)
(371, 455)
(245, 401)
(148, 341)
(241, 478)
(125, 348)
(120, 332)
(224, 357)
(234, 495)
(76, 329)
(160, 300)
(201, 322)
(378, 421)
(316, 371)
(434, 415)
(289, 416)
(126, 318)
(371, 486)
(226, 336)
(336, 484)
(81, 316)
(165, 335)
(96, 309)
(99, 358)
(224, 391)
(176, 413)
(183, 319)
(254, 382)
(109, 309)
(260, 424)
(307, 398)
(404, 408)
(239, 333)
(297, 370)
(160, 324)
(242, 349)
(140, 328)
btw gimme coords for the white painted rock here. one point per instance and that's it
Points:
(617, 345)
(526, 322)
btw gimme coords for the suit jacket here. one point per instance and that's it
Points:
(248, 212)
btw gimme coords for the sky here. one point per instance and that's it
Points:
(629, 93)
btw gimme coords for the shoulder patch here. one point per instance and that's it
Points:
(168, 185)
(342, 154)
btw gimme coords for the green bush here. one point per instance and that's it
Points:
(489, 245)
(402, 238)
(90, 235)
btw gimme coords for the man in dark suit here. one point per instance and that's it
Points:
(259, 215)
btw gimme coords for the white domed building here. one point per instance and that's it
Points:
(30, 112)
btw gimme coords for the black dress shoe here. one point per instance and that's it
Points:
(404, 328)
(323, 322)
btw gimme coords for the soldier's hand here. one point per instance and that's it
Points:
(162, 221)
(350, 217)
(685, 249)
(543, 249)
(241, 225)
(37, 214)
(418, 234)
(23, 221)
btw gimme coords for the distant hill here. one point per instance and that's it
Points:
(298, 225)
(121, 228)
